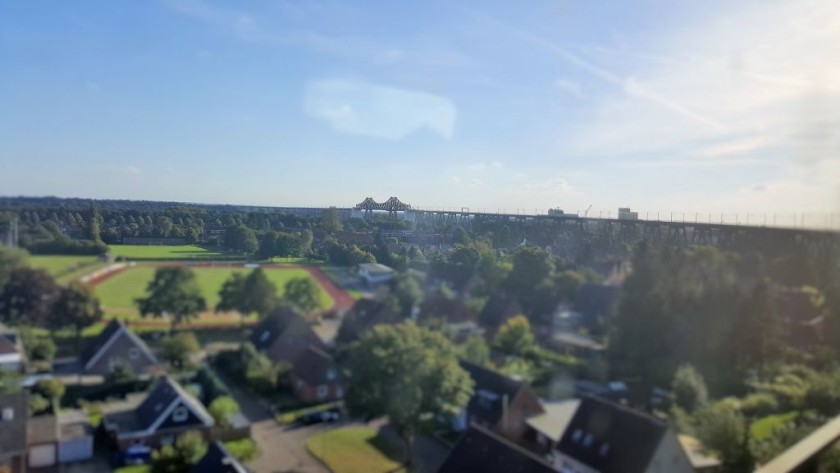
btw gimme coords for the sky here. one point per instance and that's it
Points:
(688, 107)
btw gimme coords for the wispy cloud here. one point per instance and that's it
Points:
(364, 108)
(569, 86)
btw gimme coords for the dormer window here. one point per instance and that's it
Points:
(587, 441)
(133, 353)
(265, 336)
(577, 435)
(180, 414)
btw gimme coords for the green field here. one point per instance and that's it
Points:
(163, 252)
(356, 450)
(118, 293)
(65, 268)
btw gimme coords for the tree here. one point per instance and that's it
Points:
(330, 221)
(259, 294)
(163, 226)
(189, 448)
(232, 293)
(178, 348)
(689, 388)
(722, 429)
(515, 337)
(302, 294)
(76, 306)
(531, 266)
(95, 224)
(27, 297)
(222, 408)
(173, 292)
(10, 259)
(241, 238)
(406, 372)
(475, 350)
(52, 389)
(758, 328)
(407, 292)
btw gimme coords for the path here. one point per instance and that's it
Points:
(283, 449)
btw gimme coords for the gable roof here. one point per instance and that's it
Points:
(364, 314)
(557, 416)
(13, 432)
(218, 460)
(610, 437)
(312, 367)
(480, 451)
(162, 400)
(284, 336)
(489, 393)
(107, 338)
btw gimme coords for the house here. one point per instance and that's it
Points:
(218, 460)
(13, 424)
(75, 436)
(544, 430)
(364, 314)
(284, 336)
(460, 320)
(116, 344)
(42, 441)
(315, 377)
(606, 437)
(499, 403)
(166, 412)
(12, 354)
(482, 451)
(374, 274)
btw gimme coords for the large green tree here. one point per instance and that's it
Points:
(406, 372)
(76, 306)
(515, 336)
(178, 348)
(241, 238)
(173, 293)
(10, 259)
(27, 297)
(330, 221)
(302, 294)
(407, 292)
(689, 388)
(259, 294)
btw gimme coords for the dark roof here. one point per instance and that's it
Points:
(364, 314)
(7, 345)
(594, 300)
(312, 367)
(101, 341)
(272, 327)
(451, 310)
(489, 393)
(610, 437)
(480, 451)
(498, 309)
(13, 432)
(164, 393)
(218, 460)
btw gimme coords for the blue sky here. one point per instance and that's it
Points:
(713, 106)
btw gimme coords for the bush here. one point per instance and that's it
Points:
(222, 408)
(244, 450)
(211, 386)
(689, 388)
(759, 404)
(177, 349)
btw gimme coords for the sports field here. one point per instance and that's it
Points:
(118, 293)
(65, 268)
(163, 252)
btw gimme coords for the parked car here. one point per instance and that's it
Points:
(328, 416)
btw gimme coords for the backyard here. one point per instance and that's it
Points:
(356, 450)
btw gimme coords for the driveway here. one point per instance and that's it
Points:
(283, 448)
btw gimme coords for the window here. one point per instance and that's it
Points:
(265, 336)
(605, 448)
(133, 353)
(8, 414)
(587, 441)
(577, 435)
(167, 440)
(180, 414)
(331, 374)
(322, 391)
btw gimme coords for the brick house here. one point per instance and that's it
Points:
(116, 344)
(284, 336)
(166, 412)
(316, 377)
(499, 403)
(481, 451)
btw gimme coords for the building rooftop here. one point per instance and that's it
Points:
(557, 416)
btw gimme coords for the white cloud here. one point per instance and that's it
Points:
(364, 108)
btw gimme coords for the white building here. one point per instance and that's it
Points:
(374, 273)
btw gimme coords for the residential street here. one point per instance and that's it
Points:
(283, 449)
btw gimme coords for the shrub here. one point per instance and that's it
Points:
(759, 404)
(211, 386)
(222, 408)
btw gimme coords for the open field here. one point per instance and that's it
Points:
(163, 252)
(65, 268)
(355, 450)
(118, 293)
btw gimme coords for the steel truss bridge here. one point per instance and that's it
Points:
(695, 231)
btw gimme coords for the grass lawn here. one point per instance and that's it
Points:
(356, 450)
(163, 252)
(134, 469)
(66, 268)
(290, 417)
(119, 292)
(764, 427)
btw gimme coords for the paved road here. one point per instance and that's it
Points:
(283, 448)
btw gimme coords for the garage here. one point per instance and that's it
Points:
(42, 455)
(75, 441)
(76, 449)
